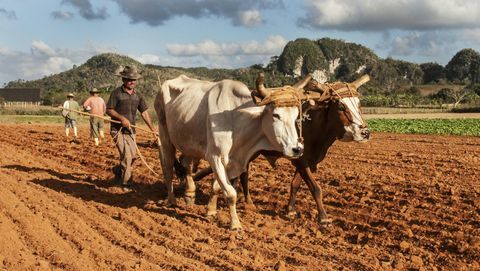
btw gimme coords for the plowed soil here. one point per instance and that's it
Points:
(399, 202)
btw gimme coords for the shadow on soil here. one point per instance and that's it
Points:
(106, 192)
(75, 177)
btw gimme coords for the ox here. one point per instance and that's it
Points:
(219, 122)
(331, 112)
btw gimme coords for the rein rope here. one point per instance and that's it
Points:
(339, 92)
(116, 135)
(138, 152)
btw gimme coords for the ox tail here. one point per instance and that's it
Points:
(180, 170)
(167, 150)
(202, 173)
(159, 109)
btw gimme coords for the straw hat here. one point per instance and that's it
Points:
(129, 72)
(70, 95)
(94, 90)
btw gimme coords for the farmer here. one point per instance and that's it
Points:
(70, 116)
(122, 106)
(95, 105)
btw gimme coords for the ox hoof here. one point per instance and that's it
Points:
(189, 201)
(249, 207)
(325, 221)
(211, 216)
(292, 214)
(168, 203)
(236, 227)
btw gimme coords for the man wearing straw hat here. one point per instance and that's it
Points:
(122, 106)
(70, 116)
(95, 105)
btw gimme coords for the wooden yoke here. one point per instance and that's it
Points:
(318, 92)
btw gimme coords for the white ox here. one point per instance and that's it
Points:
(219, 122)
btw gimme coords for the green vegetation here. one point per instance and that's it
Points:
(34, 110)
(464, 127)
(463, 66)
(305, 49)
(33, 119)
(393, 82)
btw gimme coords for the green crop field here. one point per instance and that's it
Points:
(466, 127)
(31, 119)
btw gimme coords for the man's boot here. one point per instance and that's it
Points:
(117, 172)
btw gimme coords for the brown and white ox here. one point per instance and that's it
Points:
(330, 112)
(219, 122)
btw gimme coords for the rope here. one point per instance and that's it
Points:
(300, 130)
(114, 137)
(286, 97)
(280, 97)
(105, 118)
(142, 158)
(339, 92)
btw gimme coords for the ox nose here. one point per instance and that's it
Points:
(297, 151)
(366, 134)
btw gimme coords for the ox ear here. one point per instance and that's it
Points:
(253, 112)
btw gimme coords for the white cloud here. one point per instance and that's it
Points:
(271, 46)
(211, 54)
(52, 65)
(42, 60)
(5, 51)
(249, 18)
(438, 46)
(62, 15)
(40, 48)
(147, 59)
(241, 13)
(380, 15)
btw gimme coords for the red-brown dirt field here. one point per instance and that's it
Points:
(398, 202)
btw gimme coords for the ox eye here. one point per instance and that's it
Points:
(341, 107)
(275, 115)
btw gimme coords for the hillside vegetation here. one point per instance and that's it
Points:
(393, 83)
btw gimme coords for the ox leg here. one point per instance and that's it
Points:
(167, 158)
(316, 193)
(190, 191)
(246, 192)
(228, 190)
(212, 203)
(294, 186)
(189, 194)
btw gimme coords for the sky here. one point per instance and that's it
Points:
(39, 38)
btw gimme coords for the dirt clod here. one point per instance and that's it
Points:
(398, 202)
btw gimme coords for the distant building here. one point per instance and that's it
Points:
(20, 96)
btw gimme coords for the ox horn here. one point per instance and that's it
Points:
(261, 89)
(360, 81)
(302, 83)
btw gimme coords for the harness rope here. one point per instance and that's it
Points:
(115, 136)
(339, 92)
(286, 97)
(107, 119)
(138, 151)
